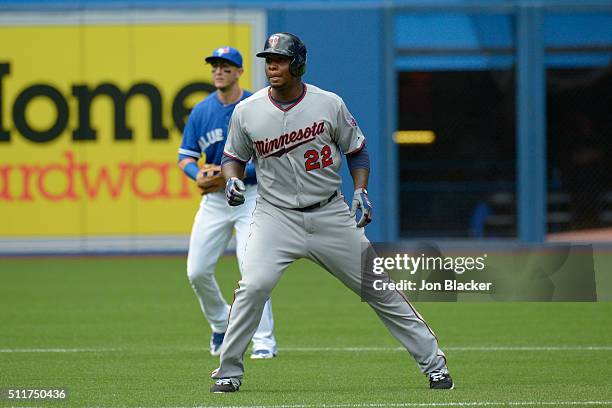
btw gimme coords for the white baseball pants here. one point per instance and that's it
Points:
(211, 232)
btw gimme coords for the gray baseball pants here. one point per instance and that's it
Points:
(329, 237)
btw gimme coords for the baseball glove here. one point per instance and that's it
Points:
(210, 179)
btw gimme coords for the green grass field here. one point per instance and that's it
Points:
(128, 332)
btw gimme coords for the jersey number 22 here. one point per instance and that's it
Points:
(312, 158)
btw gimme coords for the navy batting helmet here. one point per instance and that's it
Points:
(288, 45)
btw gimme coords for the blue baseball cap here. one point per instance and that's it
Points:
(229, 54)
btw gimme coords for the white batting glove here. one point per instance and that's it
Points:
(234, 191)
(361, 202)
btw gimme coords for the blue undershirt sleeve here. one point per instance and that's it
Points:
(191, 170)
(359, 160)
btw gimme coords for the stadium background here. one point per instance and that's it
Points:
(515, 96)
(502, 114)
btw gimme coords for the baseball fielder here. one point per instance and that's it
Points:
(205, 134)
(296, 133)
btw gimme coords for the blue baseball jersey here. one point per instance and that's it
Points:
(206, 132)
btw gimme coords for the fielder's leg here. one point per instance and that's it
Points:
(264, 343)
(210, 234)
(336, 244)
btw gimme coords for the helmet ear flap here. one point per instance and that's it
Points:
(297, 67)
(301, 70)
(298, 64)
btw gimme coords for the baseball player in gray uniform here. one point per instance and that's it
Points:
(296, 133)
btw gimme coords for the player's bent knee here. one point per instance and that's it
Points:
(257, 290)
(200, 275)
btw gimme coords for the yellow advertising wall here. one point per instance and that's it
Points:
(66, 182)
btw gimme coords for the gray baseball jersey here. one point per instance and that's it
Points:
(298, 149)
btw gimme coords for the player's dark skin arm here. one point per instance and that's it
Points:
(360, 178)
(233, 169)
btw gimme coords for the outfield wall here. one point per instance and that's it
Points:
(81, 172)
(94, 104)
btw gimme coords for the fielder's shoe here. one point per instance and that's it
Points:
(262, 354)
(224, 385)
(216, 340)
(440, 380)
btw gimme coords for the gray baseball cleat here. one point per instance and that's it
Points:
(223, 385)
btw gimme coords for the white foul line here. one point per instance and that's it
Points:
(411, 404)
(423, 404)
(60, 350)
(314, 349)
(455, 348)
